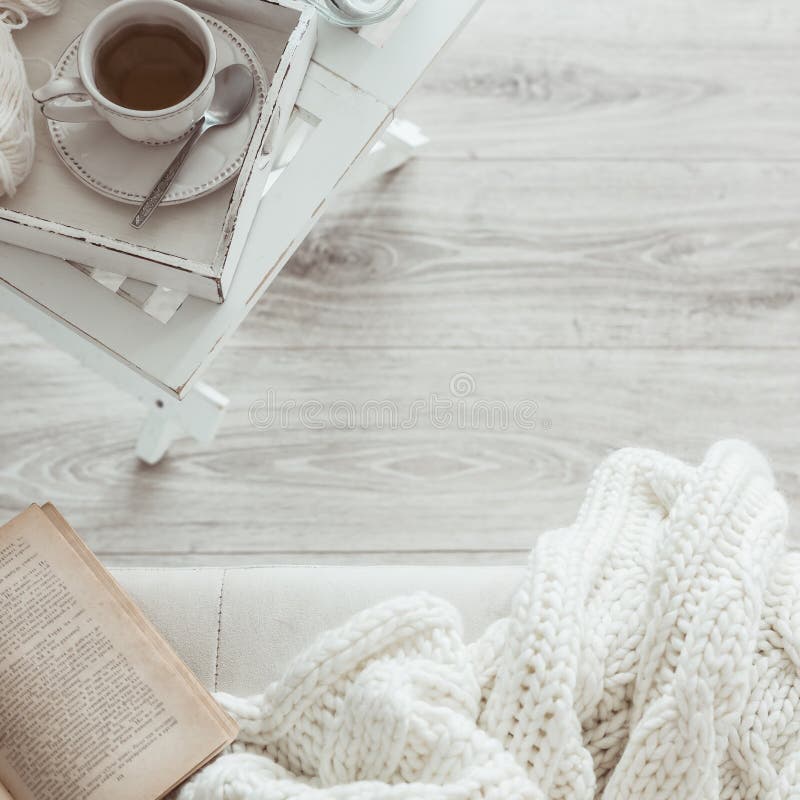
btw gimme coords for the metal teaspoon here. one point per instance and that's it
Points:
(233, 89)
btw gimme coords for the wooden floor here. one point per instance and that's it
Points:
(607, 223)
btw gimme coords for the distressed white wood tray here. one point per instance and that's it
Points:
(193, 247)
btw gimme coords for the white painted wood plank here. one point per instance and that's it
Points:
(532, 254)
(617, 79)
(423, 488)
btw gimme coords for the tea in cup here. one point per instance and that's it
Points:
(144, 66)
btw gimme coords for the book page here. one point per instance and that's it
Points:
(93, 704)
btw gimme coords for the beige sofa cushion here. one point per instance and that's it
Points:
(237, 628)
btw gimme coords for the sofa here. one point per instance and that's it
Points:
(239, 627)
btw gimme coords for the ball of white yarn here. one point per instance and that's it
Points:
(16, 117)
(16, 104)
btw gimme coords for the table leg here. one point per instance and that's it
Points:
(198, 416)
(398, 143)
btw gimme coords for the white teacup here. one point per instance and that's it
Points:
(57, 98)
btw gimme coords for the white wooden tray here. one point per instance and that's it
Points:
(194, 247)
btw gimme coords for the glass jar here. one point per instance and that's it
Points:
(355, 13)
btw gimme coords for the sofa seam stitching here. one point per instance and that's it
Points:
(219, 627)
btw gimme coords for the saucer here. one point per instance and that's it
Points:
(124, 170)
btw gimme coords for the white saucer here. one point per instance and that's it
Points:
(124, 170)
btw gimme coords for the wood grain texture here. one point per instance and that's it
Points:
(533, 254)
(602, 79)
(605, 224)
(288, 489)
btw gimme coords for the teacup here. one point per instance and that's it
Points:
(151, 126)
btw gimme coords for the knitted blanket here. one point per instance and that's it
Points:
(651, 651)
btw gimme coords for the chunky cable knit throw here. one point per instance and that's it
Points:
(16, 104)
(652, 651)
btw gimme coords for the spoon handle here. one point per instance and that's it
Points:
(157, 193)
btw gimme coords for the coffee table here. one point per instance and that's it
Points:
(343, 129)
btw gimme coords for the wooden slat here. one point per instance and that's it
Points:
(530, 254)
(620, 79)
(299, 490)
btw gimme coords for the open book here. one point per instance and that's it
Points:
(94, 704)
